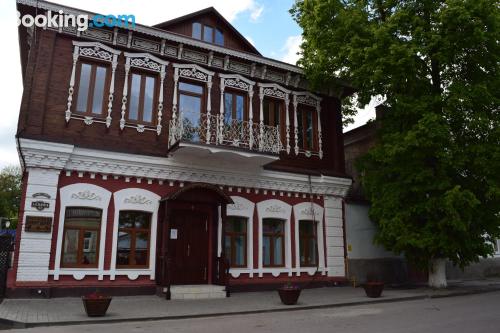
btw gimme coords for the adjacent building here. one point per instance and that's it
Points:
(156, 157)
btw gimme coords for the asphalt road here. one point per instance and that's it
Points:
(475, 313)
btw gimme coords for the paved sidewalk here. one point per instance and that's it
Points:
(68, 311)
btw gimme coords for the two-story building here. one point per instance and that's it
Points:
(156, 157)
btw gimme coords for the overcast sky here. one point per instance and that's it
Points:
(265, 23)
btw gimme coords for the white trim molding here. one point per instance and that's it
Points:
(148, 62)
(82, 195)
(92, 50)
(62, 156)
(135, 199)
(275, 209)
(311, 212)
(242, 207)
(334, 223)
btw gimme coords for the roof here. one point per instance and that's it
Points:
(205, 11)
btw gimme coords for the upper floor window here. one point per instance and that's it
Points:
(190, 106)
(133, 239)
(308, 243)
(91, 88)
(234, 107)
(273, 242)
(306, 128)
(272, 112)
(207, 33)
(81, 237)
(142, 97)
(236, 241)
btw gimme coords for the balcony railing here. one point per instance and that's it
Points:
(213, 130)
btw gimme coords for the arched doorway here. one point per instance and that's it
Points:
(188, 236)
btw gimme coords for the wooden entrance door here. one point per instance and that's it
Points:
(188, 247)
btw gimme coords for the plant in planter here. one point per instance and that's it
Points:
(289, 293)
(96, 304)
(373, 287)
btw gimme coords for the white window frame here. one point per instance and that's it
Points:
(241, 207)
(135, 199)
(303, 211)
(82, 195)
(275, 209)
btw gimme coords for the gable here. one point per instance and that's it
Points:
(209, 20)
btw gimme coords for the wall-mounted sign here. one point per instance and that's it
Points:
(40, 205)
(38, 224)
(173, 233)
(41, 195)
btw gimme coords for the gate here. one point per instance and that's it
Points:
(6, 242)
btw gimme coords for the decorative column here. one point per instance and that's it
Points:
(250, 117)
(72, 83)
(114, 64)
(125, 93)
(220, 127)
(320, 136)
(209, 107)
(261, 120)
(287, 121)
(160, 100)
(295, 124)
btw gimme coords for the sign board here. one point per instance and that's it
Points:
(173, 233)
(38, 224)
(40, 205)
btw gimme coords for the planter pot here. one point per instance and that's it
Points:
(96, 307)
(289, 296)
(374, 289)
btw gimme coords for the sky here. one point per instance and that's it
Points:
(267, 24)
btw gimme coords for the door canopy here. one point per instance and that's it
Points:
(200, 192)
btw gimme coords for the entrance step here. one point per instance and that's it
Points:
(199, 291)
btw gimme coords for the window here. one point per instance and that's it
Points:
(81, 237)
(142, 98)
(306, 128)
(91, 89)
(496, 244)
(207, 33)
(308, 243)
(236, 241)
(272, 112)
(190, 105)
(273, 242)
(133, 239)
(196, 30)
(219, 37)
(234, 107)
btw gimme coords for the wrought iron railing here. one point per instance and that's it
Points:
(214, 130)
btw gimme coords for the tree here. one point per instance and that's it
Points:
(433, 178)
(10, 192)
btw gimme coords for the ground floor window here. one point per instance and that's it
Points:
(236, 241)
(133, 239)
(308, 243)
(81, 237)
(273, 242)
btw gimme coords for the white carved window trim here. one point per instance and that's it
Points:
(242, 207)
(236, 81)
(82, 195)
(135, 199)
(309, 99)
(149, 63)
(304, 211)
(101, 52)
(276, 209)
(276, 91)
(192, 72)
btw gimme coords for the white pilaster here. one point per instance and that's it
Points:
(334, 237)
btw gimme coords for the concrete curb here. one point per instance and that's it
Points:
(21, 325)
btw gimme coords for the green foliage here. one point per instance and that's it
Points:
(434, 177)
(10, 192)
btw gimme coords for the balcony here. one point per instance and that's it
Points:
(212, 130)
